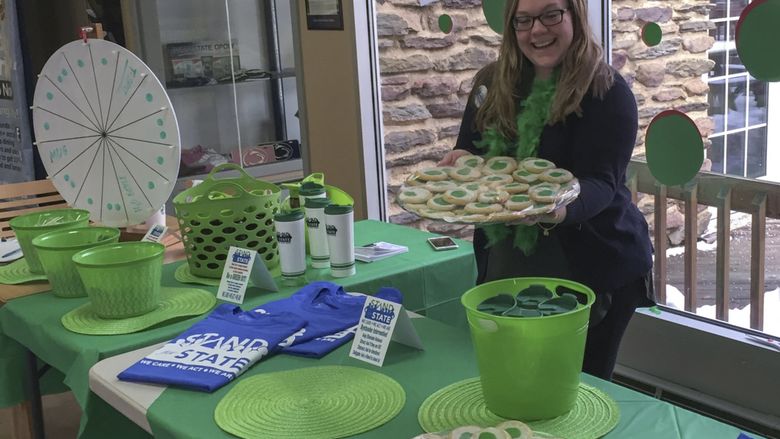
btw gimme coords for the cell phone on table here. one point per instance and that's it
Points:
(442, 243)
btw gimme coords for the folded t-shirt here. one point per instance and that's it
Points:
(215, 350)
(331, 316)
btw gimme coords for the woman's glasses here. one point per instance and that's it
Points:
(549, 18)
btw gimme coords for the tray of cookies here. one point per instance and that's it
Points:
(488, 191)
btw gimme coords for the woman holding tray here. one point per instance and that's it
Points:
(551, 95)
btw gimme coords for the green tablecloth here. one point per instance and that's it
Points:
(431, 281)
(448, 357)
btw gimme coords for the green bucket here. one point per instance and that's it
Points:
(223, 212)
(122, 280)
(529, 366)
(27, 227)
(56, 250)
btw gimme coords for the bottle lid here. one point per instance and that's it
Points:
(293, 215)
(317, 203)
(338, 209)
(310, 189)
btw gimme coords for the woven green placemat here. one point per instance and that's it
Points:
(18, 272)
(185, 276)
(315, 402)
(174, 302)
(594, 414)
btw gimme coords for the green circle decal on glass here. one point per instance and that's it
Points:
(494, 13)
(149, 97)
(651, 34)
(756, 34)
(445, 23)
(675, 150)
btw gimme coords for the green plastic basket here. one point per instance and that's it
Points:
(529, 366)
(56, 250)
(122, 280)
(225, 212)
(27, 227)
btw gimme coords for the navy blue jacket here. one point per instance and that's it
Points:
(604, 236)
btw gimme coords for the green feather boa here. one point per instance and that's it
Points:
(532, 117)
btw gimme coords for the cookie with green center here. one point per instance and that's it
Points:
(495, 180)
(483, 207)
(494, 196)
(514, 188)
(467, 431)
(472, 161)
(437, 202)
(518, 202)
(414, 195)
(536, 165)
(556, 175)
(542, 194)
(523, 176)
(548, 185)
(473, 218)
(474, 187)
(539, 209)
(432, 174)
(439, 187)
(459, 196)
(434, 214)
(465, 173)
(499, 165)
(516, 429)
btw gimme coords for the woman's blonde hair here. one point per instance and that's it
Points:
(582, 69)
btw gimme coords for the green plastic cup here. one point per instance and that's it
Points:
(122, 280)
(27, 227)
(55, 252)
(529, 367)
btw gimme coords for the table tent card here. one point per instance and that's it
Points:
(239, 269)
(381, 322)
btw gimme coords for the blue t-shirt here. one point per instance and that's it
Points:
(331, 314)
(215, 350)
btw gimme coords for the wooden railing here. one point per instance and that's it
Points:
(760, 199)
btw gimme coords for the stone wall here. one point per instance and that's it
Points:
(426, 75)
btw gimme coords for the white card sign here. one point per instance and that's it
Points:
(380, 322)
(235, 276)
(155, 233)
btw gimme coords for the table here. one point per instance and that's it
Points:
(448, 357)
(432, 283)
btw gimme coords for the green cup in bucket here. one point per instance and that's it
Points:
(122, 280)
(26, 227)
(56, 250)
(529, 366)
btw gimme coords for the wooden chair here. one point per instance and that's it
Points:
(22, 198)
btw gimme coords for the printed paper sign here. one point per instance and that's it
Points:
(235, 276)
(155, 233)
(380, 322)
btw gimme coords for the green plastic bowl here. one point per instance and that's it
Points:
(55, 252)
(27, 227)
(529, 367)
(122, 280)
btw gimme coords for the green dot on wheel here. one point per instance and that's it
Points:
(72, 184)
(149, 97)
(46, 125)
(445, 23)
(163, 135)
(117, 207)
(103, 61)
(110, 206)
(151, 185)
(160, 160)
(675, 150)
(651, 34)
(66, 177)
(49, 96)
(59, 78)
(64, 72)
(80, 63)
(90, 201)
(159, 122)
(756, 33)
